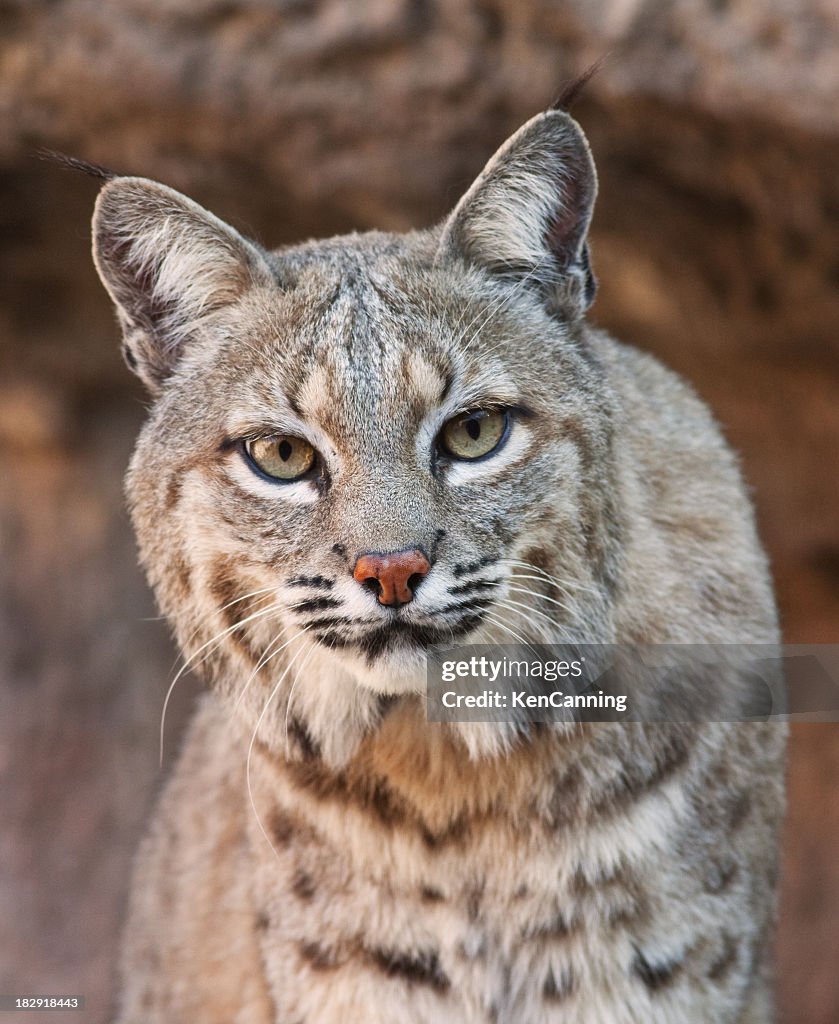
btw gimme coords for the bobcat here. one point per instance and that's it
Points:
(361, 449)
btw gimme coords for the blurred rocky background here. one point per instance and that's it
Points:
(715, 124)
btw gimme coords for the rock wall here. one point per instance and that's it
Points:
(716, 131)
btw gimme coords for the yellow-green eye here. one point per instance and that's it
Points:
(283, 457)
(476, 433)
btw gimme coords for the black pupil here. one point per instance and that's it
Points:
(285, 449)
(473, 427)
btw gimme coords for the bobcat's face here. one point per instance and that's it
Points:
(375, 407)
(371, 445)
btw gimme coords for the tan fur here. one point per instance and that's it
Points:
(322, 853)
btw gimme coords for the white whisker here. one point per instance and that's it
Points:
(236, 600)
(216, 640)
(558, 583)
(542, 597)
(256, 730)
(508, 629)
(532, 593)
(263, 661)
(517, 608)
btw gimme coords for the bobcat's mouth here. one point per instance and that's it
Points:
(400, 631)
(398, 636)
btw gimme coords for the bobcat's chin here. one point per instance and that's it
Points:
(396, 667)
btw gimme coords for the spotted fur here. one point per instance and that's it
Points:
(322, 853)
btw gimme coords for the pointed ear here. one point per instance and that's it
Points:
(168, 264)
(527, 215)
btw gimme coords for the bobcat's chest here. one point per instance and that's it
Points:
(361, 902)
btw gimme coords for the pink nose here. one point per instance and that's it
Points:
(393, 577)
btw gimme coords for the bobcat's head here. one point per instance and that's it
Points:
(364, 446)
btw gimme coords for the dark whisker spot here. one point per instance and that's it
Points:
(318, 582)
(316, 604)
(468, 588)
(464, 569)
(466, 624)
(331, 620)
(458, 606)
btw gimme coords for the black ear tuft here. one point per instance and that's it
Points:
(572, 91)
(74, 163)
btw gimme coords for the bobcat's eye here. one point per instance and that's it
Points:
(474, 434)
(283, 457)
